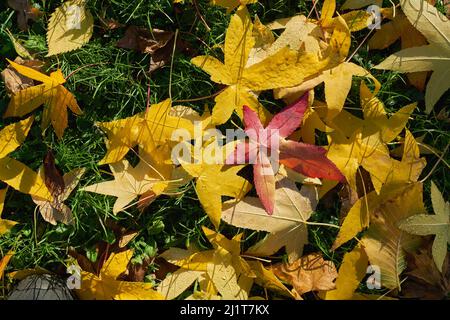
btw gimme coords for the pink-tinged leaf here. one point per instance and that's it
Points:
(290, 118)
(244, 153)
(308, 160)
(264, 180)
(252, 123)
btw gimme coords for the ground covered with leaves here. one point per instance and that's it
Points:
(354, 207)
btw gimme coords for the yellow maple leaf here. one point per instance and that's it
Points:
(150, 178)
(13, 172)
(105, 286)
(149, 130)
(221, 270)
(284, 68)
(400, 28)
(51, 93)
(396, 174)
(338, 79)
(432, 57)
(367, 143)
(214, 181)
(69, 28)
(350, 274)
(384, 243)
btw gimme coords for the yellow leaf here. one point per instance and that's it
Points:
(351, 272)
(433, 57)
(401, 28)
(357, 218)
(267, 279)
(149, 130)
(20, 49)
(4, 263)
(328, 9)
(178, 282)
(384, 243)
(13, 172)
(13, 135)
(106, 287)
(221, 270)
(286, 226)
(69, 28)
(51, 93)
(210, 192)
(282, 69)
(148, 178)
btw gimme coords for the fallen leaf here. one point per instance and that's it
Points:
(20, 49)
(230, 5)
(401, 28)
(384, 243)
(309, 273)
(432, 57)
(130, 182)
(60, 188)
(284, 68)
(149, 130)
(337, 80)
(105, 286)
(158, 43)
(14, 81)
(437, 225)
(13, 172)
(351, 273)
(220, 271)
(210, 192)
(308, 160)
(424, 280)
(69, 28)
(286, 226)
(51, 93)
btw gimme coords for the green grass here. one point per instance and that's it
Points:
(116, 87)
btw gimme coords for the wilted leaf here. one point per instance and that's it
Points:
(309, 273)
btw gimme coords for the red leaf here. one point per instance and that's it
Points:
(245, 152)
(290, 118)
(308, 160)
(253, 125)
(264, 179)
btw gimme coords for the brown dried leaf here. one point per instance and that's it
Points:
(14, 81)
(309, 273)
(424, 280)
(53, 177)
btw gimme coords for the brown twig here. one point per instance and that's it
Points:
(200, 16)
